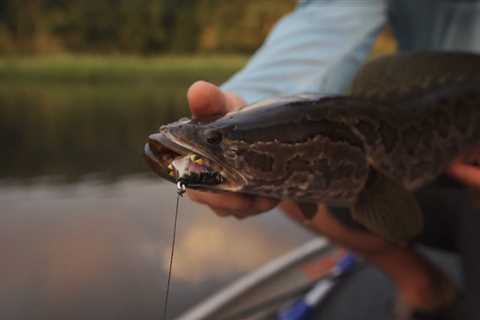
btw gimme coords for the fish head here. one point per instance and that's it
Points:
(197, 152)
(212, 153)
(275, 148)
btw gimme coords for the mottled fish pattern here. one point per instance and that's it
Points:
(407, 117)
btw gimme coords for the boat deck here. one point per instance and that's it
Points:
(363, 294)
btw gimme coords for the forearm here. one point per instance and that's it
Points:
(317, 49)
(325, 224)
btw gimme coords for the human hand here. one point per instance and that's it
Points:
(206, 99)
(466, 173)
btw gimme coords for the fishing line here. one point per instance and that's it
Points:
(180, 191)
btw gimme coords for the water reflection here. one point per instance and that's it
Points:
(69, 131)
(203, 241)
(74, 244)
(101, 250)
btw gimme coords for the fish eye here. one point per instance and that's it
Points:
(213, 137)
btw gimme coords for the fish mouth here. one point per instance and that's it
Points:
(176, 160)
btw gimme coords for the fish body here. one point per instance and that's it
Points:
(360, 151)
(320, 149)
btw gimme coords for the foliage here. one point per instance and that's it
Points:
(178, 69)
(141, 26)
(68, 117)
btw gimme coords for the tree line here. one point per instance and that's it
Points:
(136, 27)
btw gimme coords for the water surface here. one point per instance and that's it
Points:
(85, 228)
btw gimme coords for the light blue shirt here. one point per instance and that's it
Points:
(320, 45)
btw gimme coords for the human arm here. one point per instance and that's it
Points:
(317, 48)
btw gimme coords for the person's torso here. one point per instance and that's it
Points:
(436, 24)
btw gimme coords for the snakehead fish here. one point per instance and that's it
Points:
(407, 118)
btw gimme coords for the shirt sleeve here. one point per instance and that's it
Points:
(315, 49)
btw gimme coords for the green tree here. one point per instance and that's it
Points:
(141, 26)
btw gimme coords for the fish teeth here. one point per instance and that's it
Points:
(196, 159)
(200, 162)
(171, 170)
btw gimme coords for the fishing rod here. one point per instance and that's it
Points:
(304, 307)
(311, 295)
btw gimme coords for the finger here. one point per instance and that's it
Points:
(222, 213)
(468, 174)
(221, 200)
(240, 215)
(233, 102)
(206, 99)
(263, 204)
(233, 201)
(229, 213)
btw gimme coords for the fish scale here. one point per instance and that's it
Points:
(407, 118)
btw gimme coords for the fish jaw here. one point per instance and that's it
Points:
(175, 160)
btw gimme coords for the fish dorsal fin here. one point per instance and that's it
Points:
(387, 209)
(404, 74)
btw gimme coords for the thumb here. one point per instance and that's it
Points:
(206, 99)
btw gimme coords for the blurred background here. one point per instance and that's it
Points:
(85, 228)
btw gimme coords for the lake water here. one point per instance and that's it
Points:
(85, 228)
